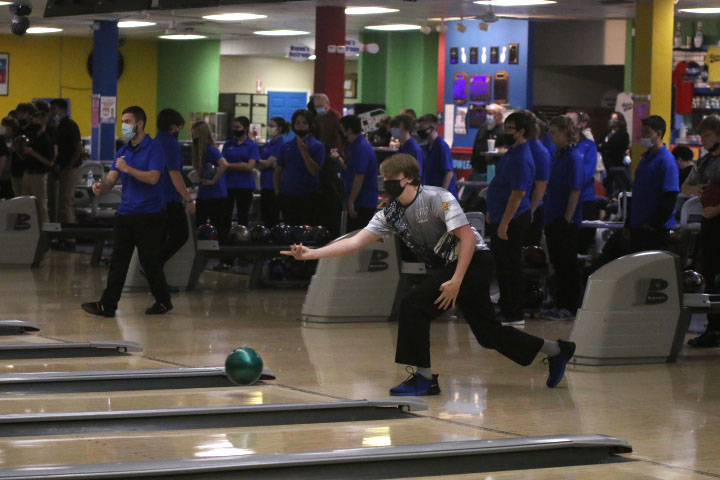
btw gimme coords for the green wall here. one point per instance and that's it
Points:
(403, 74)
(188, 77)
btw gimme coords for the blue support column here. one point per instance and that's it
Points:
(105, 76)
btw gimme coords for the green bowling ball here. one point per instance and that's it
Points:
(243, 366)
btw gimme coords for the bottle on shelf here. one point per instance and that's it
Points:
(698, 40)
(678, 37)
(90, 179)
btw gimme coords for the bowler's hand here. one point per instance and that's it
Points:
(97, 188)
(298, 252)
(711, 212)
(351, 210)
(190, 208)
(447, 298)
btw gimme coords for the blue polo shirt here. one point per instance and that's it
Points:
(270, 149)
(589, 152)
(140, 197)
(174, 161)
(240, 153)
(566, 174)
(219, 190)
(360, 159)
(514, 171)
(656, 174)
(412, 148)
(541, 157)
(297, 180)
(438, 161)
(548, 143)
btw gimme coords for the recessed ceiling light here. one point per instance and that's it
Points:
(514, 3)
(134, 24)
(701, 10)
(448, 19)
(312, 57)
(394, 28)
(182, 36)
(280, 33)
(369, 10)
(233, 17)
(6, 3)
(43, 30)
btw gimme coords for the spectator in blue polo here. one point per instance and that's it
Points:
(439, 170)
(241, 153)
(588, 150)
(541, 158)
(359, 174)
(140, 219)
(509, 214)
(269, 210)
(296, 177)
(655, 190)
(563, 217)
(401, 128)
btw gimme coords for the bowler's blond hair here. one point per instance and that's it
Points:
(401, 163)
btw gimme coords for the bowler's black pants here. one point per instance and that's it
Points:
(643, 239)
(145, 232)
(562, 243)
(508, 263)
(176, 230)
(417, 310)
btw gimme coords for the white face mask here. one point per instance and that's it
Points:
(57, 118)
(490, 122)
(128, 132)
(321, 110)
(646, 142)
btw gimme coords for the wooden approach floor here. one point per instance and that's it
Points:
(665, 411)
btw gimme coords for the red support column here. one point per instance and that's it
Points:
(330, 67)
(441, 80)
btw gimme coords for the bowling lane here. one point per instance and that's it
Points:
(136, 446)
(138, 400)
(29, 339)
(124, 362)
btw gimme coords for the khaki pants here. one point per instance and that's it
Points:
(16, 183)
(67, 180)
(35, 184)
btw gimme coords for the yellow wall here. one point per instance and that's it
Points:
(56, 66)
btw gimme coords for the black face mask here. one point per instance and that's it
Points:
(176, 134)
(301, 133)
(393, 188)
(196, 141)
(714, 147)
(238, 133)
(614, 123)
(423, 134)
(508, 139)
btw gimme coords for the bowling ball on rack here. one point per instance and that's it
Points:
(209, 170)
(260, 234)
(534, 294)
(207, 232)
(239, 234)
(321, 235)
(277, 268)
(693, 282)
(243, 366)
(534, 256)
(301, 233)
(281, 234)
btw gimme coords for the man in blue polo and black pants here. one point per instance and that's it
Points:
(140, 220)
(655, 190)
